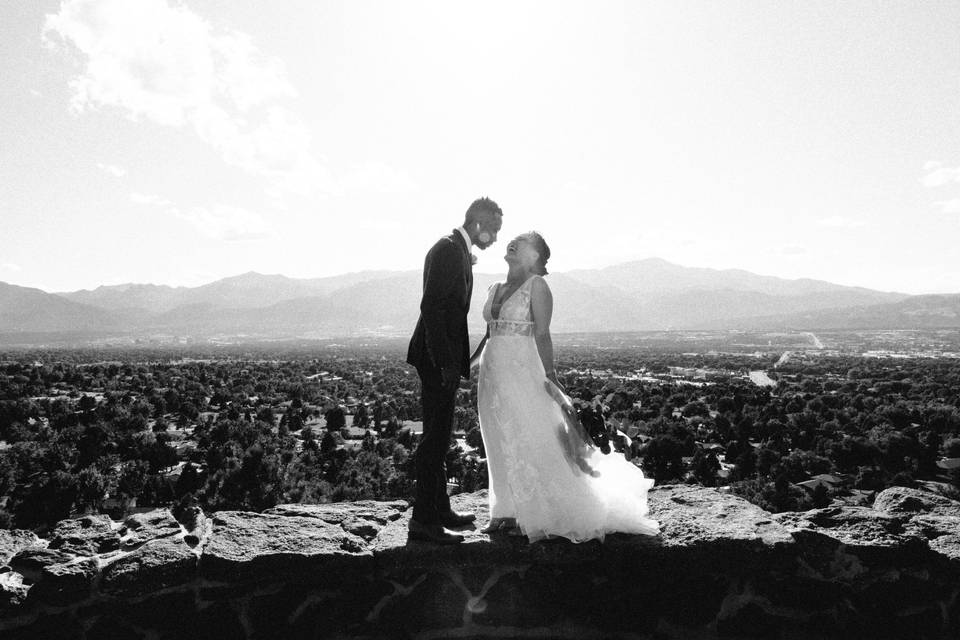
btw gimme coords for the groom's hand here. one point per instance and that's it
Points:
(450, 377)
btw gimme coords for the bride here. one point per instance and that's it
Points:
(538, 486)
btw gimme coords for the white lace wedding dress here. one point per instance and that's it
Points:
(532, 475)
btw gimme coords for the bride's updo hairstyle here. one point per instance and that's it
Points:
(540, 245)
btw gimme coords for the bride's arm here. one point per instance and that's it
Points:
(475, 358)
(541, 303)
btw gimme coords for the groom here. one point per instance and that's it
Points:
(440, 351)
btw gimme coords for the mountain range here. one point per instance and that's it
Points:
(650, 294)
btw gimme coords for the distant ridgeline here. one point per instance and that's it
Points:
(646, 295)
(721, 567)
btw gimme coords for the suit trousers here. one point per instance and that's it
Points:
(431, 499)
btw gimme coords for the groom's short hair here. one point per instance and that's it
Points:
(480, 206)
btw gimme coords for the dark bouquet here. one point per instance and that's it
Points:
(583, 430)
(592, 418)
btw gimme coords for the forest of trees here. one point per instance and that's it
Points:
(88, 431)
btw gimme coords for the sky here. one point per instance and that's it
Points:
(179, 142)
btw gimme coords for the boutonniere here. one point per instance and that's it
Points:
(473, 259)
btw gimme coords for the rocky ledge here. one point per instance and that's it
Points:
(721, 567)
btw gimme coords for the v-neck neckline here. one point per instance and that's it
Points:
(504, 301)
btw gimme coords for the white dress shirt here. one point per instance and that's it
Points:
(466, 238)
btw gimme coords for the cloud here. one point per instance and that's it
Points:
(164, 63)
(224, 222)
(949, 207)
(939, 175)
(575, 186)
(840, 222)
(378, 177)
(112, 169)
(793, 250)
(220, 222)
(149, 199)
(9, 266)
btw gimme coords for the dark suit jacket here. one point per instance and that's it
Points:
(441, 338)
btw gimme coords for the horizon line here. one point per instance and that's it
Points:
(57, 291)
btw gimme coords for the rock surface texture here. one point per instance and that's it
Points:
(720, 568)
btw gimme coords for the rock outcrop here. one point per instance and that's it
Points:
(721, 567)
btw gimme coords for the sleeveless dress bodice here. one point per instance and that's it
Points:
(515, 317)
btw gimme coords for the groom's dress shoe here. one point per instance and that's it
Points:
(452, 519)
(434, 533)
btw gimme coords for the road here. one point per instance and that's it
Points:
(814, 339)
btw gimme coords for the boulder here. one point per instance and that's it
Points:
(697, 516)
(720, 566)
(337, 512)
(86, 536)
(857, 527)
(948, 546)
(364, 519)
(12, 591)
(933, 526)
(143, 527)
(907, 501)
(14, 541)
(257, 546)
(30, 562)
(65, 583)
(157, 564)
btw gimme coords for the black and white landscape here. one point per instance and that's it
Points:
(647, 295)
(213, 222)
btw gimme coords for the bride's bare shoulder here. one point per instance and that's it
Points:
(539, 286)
